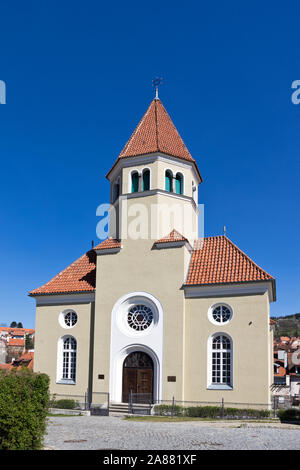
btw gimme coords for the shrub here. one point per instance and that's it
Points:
(291, 414)
(211, 412)
(64, 404)
(166, 410)
(203, 411)
(24, 398)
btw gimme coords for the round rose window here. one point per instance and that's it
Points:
(139, 317)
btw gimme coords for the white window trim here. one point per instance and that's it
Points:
(59, 368)
(125, 340)
(210, 313)
(150, 178)
(182, 181)
(134, 170)
(61, 318)
(210, 384)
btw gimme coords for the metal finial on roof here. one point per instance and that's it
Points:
(224, 230)
(156, 82)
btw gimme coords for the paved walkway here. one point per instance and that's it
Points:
(96, 433)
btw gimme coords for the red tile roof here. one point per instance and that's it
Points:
(16, 342)
(26, 359)
(217, 260)
(156, 133)
(17, 331)
(174, 236)
(80, 276)
(108, 244)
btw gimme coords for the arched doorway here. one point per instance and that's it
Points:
(138, 377)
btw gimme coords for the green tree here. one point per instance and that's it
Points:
(28, 342)
(24, 400)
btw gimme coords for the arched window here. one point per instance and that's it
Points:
(221, 357)
(134, 182)
(179, 183)
(169, 181)
(116, 191)
(146, 180)
(69, 351)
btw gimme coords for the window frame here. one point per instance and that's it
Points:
(211, 312)
(180, 181)
(146, 170)
(72, 355)
(222, 385)
(132, 174)
(170, 177)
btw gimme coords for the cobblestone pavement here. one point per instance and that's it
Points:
(96, 433)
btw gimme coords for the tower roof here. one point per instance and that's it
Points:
(156, 133)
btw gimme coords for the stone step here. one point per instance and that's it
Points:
(124, 408)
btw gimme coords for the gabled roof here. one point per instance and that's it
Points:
(80, 276)
(216, 260)
(173, 236)
(156, 133)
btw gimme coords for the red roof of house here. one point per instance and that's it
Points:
(173, 236)
(17, 331)
(16, 342)
(108, 244)
(80, 276)
(156, 133)
(25, 359)
(217, 260)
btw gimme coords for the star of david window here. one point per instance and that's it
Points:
(139, 317)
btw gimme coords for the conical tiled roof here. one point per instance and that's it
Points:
(156, 133)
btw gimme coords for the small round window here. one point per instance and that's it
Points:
(68, 319)
(220, 314)
(139, 317)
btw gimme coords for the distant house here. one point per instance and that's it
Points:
(15, 342)
(25, 360)
(286, 372)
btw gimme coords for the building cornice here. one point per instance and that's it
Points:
(64, 298)
(231, 289)
(126, 162)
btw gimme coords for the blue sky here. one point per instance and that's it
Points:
(78, 78)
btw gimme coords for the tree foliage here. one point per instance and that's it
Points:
(24, 399)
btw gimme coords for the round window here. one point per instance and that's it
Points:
(67, 319)
(139, 317)
(220, 314)
(70, 318)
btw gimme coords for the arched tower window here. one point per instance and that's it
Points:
(146, 180)
(134, 182)
(169, 181)
(179, 183)
(116, 191)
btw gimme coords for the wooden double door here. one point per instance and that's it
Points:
(138, 377)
